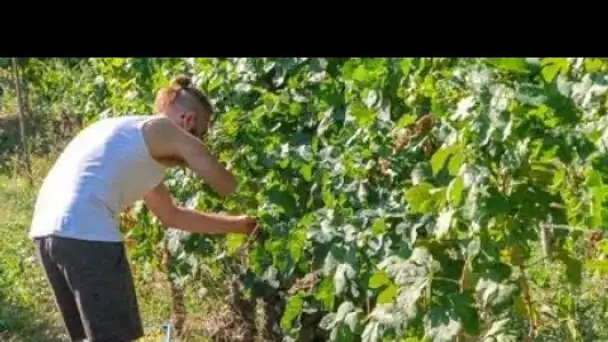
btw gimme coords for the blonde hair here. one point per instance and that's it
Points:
(179, 87)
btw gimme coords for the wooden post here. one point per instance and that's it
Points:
(27, 106)
(26, 156)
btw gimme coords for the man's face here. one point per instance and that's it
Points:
(196, 124)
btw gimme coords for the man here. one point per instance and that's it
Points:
(107, 167)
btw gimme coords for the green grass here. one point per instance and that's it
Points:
(27, 309)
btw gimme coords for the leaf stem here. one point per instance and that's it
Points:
(463, 285)
(528, 302)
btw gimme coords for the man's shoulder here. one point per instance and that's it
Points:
(159, 133)
(136, 121)
(159, 127)
(108, 128)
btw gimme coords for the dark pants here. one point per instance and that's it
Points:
(93, 288)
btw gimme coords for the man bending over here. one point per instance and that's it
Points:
(105, 168)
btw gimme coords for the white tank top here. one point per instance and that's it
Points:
(103, 170)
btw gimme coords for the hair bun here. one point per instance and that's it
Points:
(183, 81)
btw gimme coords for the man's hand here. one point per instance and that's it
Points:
(254, 233)
(249, 224)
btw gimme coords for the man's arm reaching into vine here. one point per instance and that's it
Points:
(160, 202)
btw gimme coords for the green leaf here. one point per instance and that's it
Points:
(600, 266)
(234, 241)
(379, 226)
(439, 158)
(499, 271)
(419, 198)
(325, 293)
(492, 293)
(293, 310)
(437, 107)
(497, 327)
(297, 243)
(295, 108)
(360, 74)
(406, 120)
(328, 197)
(443, 223)
(552, 67)
(270, 276)
(440, 326)
(549, 72)
(363, 116)
(473, 248)
(464, 306)
(283, 199)
(406, 65)
(388, 295)
(352, 321)
(455, 191)
(372, 99)
(410, 294)
(306, 172)
(574, 268)
(595, 206)
(328, 322)
(379, 279)
(455, 163)
(593, 64)
(118, 62)
(575, 334)
(343, 310)
(344, 323)
(371, 333)
(341, 276)
(594, 178)
(511, 64)
(362, 193)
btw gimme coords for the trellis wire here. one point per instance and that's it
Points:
(570, 228)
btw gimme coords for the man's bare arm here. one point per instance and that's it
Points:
(160, 202)
(168, 141)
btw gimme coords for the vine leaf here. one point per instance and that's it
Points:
(440, 326)
(388, 295)
(325, 293)
(574, 267)
(293, 310)
(439, 158)
(552, 67)
(511, 64)
(379, 279)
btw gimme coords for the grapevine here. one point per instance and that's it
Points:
(399, 199)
